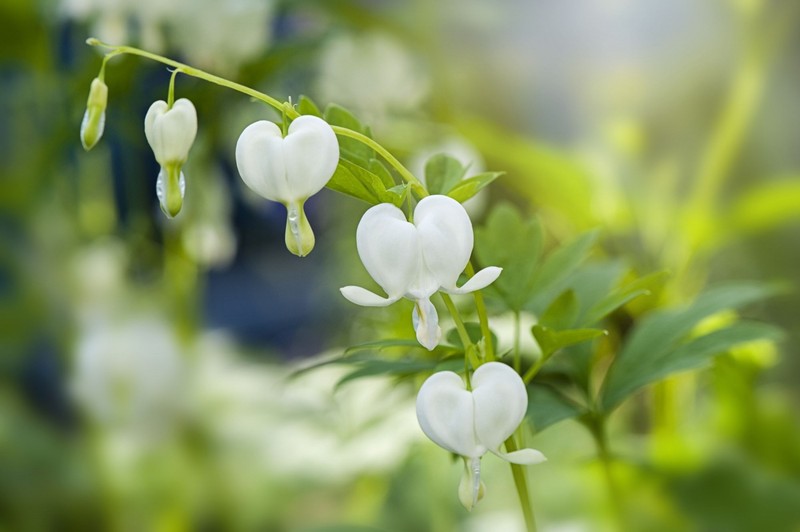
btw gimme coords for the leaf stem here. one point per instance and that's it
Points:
(521, 483)
(598, 429)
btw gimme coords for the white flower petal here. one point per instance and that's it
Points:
(171, 132)
(311, 155)
(388, 247)
(479, 281)
(501, 401)
(260, 160)
(365, 298)
(446, 237)
(445, 412)
(522, 456)
(426, 323)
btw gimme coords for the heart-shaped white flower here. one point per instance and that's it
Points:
(470, 423)
(415, 260)
(170, 131)
(289, 169)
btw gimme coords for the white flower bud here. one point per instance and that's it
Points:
(94, 119)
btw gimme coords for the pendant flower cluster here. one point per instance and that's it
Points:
(473, 422)
(415, 260)
(289, 169)
(170, 131)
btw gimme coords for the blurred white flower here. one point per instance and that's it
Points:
(471, 422)
(128, 375)
(372, 74)
(415, 260)
(301, 428)
(220, 36)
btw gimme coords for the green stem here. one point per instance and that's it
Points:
(521, 483)
(469, 348)
(517, 355)
(483, 318)
(407, 176)
(286, 108)
(598, 430)
(533, 370)
(171, 93)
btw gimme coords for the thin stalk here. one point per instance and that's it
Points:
(598, 430)
(282, 107)
(469, 351)
(483, 318)
(521, 483)
(517, 355)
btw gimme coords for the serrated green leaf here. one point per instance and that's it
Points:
(400, 368)
(548, 280)
(305, 106)
(358, 182)
(513, 244)
(442, 173)
(350, 149)
(550, 340)
(547, 407)
(623, 295)
(380, 170)
(467, 188)
(659, 341)
(562, 312)
(380, 345)
(694, 354)
(473, 331)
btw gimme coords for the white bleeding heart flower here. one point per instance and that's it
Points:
(170, 131)
(289, 169)
(470, 423)
(415, 260)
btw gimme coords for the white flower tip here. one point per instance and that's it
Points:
(479, 281)
(426, 324)
(523, 456)
(365, 298)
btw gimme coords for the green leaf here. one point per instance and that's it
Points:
(305, 106)
(623, 295)
(360, 183)
(546, 407)
(548, 280)
(514, 244)
(350, 149)
(658, 346)
(551, 341)
(467, 188)
(442, 173)
(380, 170)
(473, 331)
(380, 345)
(562, 312)
(769, 205)
(400, 368)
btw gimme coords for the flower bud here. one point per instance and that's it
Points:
(94, 119)
(170, 131)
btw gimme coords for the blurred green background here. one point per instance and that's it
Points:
(144, 362)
